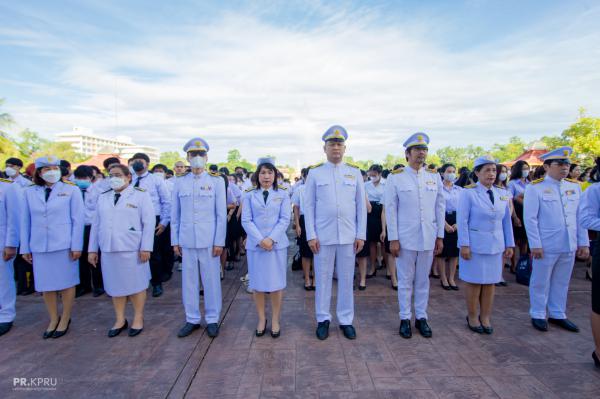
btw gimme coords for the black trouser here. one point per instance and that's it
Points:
(89, 276)
(161, 259)
(23, 274)
(156, 268)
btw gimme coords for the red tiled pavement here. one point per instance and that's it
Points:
(515, 362)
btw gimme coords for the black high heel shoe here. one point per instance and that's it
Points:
(477, 329)
(587, 275)
(262, 332)
(113, 332)
(372, 274)
(49, 334)
(58, 334)
(596, 360)
(446, 287)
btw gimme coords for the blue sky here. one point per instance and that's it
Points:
(270, 77)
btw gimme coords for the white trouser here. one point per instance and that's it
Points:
(549, 285)
(413, 269)
(210, 270)
(8, 291)
(343, 256)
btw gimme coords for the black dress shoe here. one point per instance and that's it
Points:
(540, 324)
(446, 287)
(187, 329)
(157, 290)
(434, 276)
(394, 287)
(260, 333)
(454, 287)
(58, 334)
(98, 292)
(113, 332)
(135, 331)
(28, 291)
(81, 292)
(5, 327)
(307, 288)
(477, 329)
(596, 360)
(405, 331)
(372, 274)
(423, 327)
(349, 331)
(212, 330)
(362, 287)
(276, 334)
(564, 323)
(48, 334)
(323, 330)
(487, 330)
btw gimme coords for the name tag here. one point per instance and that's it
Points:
(131, 206)
(62, 195)
(549, 197)
(504, 198)
(275, 200)
(351, 177)
(570, 192)
(430, 183)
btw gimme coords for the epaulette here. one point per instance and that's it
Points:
(470, 186)
(396, 171)
(140, 189)
(214, 174)
(70, 183)
(316, 165)
(5, 180)
(573, 181)
(499, 186)
(353, 166)
(282, 187)
(250, 189)
(537, 181)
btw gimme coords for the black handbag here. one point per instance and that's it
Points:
(297, 261)
(523, 270)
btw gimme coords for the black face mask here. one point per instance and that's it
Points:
(240, 174)
(138, 166)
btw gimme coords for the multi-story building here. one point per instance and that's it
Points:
(86, 142)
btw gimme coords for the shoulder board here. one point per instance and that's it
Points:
(353, 166)
(316, 165)
(139, 189)
(499, 186)
(399, 170)
(537, 181)
(282, 187)
(250, 189)
(5, 180)
(470, 186)
(70, 183)
(107, 191)
(573, 181)
(214, 174)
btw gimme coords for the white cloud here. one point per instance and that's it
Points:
(242, 83)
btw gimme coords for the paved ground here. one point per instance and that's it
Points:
(516, 361)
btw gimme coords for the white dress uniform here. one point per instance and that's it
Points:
(550, 216)
(335, 213)
(22, 181)
(10, 200)
(485, 228)
(159, 193)
(298, 198)
(199, 223)
(121, 231)
(415, 215)
(49, 231)
(374, 192)
(270, 219)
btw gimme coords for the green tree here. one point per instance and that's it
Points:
(5, 119)
(61, 151)
(169, 158)
(460, 156)
(555, 141)
(584, 136)
(507, 152)
(233, 156)
(30, 142)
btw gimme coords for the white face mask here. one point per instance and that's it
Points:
(159, 174)
(450, 177)
(375, 179)
(503, 176)
(10, 172)
(198, 162)
(51, 176)
(132, 171)
(525, 173)
(116, 182)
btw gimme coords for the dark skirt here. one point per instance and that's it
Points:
(450, 239)
(596, 277)
(519, 232)
(365, 252)
(305, 251)
(374, 226)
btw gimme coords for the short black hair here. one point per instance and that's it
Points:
(224, 170)
(269, 166)
(159, 166)
(83, 171)
(385, 173)
(213, 168)
(446, 166)
(14, 161)
(141, 155)
(110, 161)
(97, 169)
(376, 168)
(65, 164)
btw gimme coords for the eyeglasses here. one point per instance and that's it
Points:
(197, 153)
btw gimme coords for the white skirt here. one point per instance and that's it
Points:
(481, 268)
(123, 274)
(54, 271)
(267, 270)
